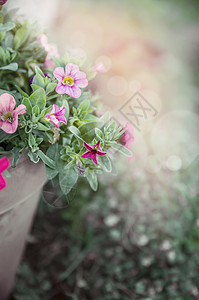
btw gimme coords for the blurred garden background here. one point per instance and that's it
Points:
(137, 237)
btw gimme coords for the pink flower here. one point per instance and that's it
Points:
(4, 164)
(9, 116)
(127, 137)
(93, 152)
(70, 80)
(99, 68)
(56, 115)
(50, 49)
(2, 2)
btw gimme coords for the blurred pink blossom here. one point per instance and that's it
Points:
(99, 68)
(127, 137)
(50, 49)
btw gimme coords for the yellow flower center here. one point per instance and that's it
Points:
(8, 117)
(68, 80)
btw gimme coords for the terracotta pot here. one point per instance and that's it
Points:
(18, 202)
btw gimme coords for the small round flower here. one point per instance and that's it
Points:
(9, 115)
(70, 80)
(56, 115)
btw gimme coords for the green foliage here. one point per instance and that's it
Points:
(21, 59)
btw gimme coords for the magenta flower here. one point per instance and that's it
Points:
(70, 80)
(4, 164)
(56, 115)
(50, 49)
(2, 2)
(93, 152)
(9, 116)
(99, 68)
(127, 137)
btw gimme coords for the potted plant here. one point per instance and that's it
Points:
(49, 130)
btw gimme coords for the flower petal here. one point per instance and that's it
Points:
(88, 147)
(19, 110)
(82, 83)
(61, 89)
(87, 154)
(2, 183)
(97, 145)
(73, 91)
(61, 111)
(54, 121)
(101, 153)
(4, 164)
(94, 158)
(7, 103)
(10, 127)
(71, 69)
(61, 119)
(59, 73)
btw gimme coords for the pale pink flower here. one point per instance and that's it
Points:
(9, 115)
(56, 115)
(50, 49)
(70, 80)
(127, 137)
(99, 68)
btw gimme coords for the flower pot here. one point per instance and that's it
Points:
(18, 202)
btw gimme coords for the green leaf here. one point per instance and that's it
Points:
(38, 98)
(76, 132)
(38, 80)
(20, 37)
(42, 127)
(99, 133)
(67, 112)
(31, 141)
(105, 163)
(35, 87)
(88, 130)
(21, 91)
(121, 148)
(39, 71)
(11, 67)
(16, 156)
(47, 160)
(7, 26)
(5, 136)
(54, 153)
(68, 177)
(50, 87)
(36, 110)
(28, 105)
(84, 106)
(33, 157)
(92, 179)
